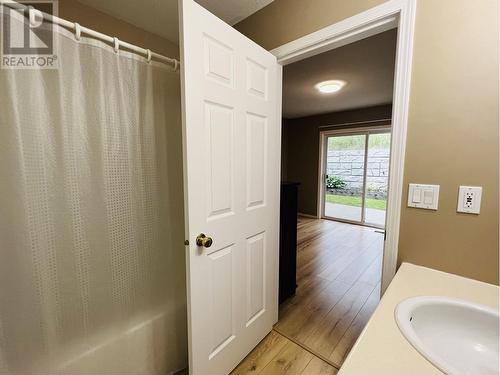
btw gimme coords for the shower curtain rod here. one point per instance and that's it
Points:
(79, 30)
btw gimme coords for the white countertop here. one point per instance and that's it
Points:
(382, 349)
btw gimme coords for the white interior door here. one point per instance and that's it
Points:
(231, 120)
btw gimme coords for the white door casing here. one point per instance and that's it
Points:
(390, 14)
(231, 132)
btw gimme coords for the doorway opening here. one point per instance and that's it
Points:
(355, 175)
(336, 149)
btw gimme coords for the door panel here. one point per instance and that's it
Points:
(222, 302)
(256, 79)
(220, 160)
(256, 160)
(256, 286)
(219, 61)
(231, 131)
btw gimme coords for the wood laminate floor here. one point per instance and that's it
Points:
(338, 276)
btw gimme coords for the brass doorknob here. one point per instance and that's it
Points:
(203, 240)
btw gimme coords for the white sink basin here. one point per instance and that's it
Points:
(458, 337)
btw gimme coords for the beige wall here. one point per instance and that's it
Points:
(301, 151)
(453, 121)
(74, 11)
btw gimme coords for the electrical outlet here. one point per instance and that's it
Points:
(469, 199)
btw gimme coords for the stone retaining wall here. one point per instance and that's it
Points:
(348, 165)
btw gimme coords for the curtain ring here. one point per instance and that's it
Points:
(32, 15)
(78, 31)
(117, 44)
(148, 55)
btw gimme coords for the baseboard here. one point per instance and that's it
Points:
(307, 215)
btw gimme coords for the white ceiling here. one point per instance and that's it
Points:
(161, 17)
(367, 66)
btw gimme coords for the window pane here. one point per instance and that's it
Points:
(344, 180)
(377, 178)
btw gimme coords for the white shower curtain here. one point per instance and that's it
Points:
(91, 220)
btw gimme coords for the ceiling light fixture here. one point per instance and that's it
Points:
(329, 87)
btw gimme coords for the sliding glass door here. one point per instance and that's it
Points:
(356, 170)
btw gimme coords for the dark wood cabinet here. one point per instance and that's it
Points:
(288, 240)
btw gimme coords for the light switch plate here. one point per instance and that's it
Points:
(469, 199)
(423, 196)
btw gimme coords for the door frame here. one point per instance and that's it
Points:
(323, 136)
(398, 14)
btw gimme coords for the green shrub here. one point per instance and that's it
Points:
(334, 182)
